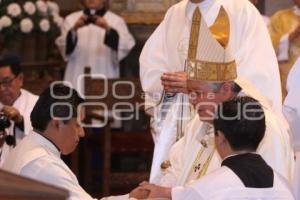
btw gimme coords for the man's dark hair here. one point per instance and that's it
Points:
(11, 61)
(242, 121)
(59, 102)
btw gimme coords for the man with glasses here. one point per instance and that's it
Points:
(15, 105)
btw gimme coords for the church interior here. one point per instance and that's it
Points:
(116, 153)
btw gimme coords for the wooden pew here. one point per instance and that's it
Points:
(14, 187)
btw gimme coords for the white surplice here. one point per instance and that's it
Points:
(91, 51)
(24, 104)
(38, 158)
(275, 147)
(224, 184)
(291, 109)
(166, 51)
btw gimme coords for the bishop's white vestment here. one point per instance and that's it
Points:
(166, 51)
(196, 149)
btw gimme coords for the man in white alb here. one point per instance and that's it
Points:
(162, 63)
(96, 38)
(239, 126)
(15, 103)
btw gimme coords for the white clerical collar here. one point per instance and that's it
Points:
(296, 10)
(49, 146)
(204, 7)
(236, 154)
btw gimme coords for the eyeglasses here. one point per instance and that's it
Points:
(7, 81)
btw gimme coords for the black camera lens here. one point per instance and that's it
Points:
(10, 140)
(4, 122)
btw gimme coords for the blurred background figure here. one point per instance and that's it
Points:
(15, 105)
(93, 37)
(285, 33)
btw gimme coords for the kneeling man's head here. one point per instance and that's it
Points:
(57, 116)
(239, 126)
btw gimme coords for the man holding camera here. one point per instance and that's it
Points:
(15, 105)
(93, 37)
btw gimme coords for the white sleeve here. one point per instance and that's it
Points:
(126, 40)
(252, 48)
(172, 173)
(61, 40)
(283, 50)
(186, 193)
(121, 197)
(153, 62)
(54, 174)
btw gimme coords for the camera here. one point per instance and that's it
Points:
(4, 122)
(91, 16)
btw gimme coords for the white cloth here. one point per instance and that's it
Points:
(166, 51)
(224, 184)
(291, 109)
(24, 104)
(275, 147)
(266, 19)
(90, 49)
(37, 158)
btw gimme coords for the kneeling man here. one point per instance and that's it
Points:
(239, 126)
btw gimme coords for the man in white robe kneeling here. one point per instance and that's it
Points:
(56, 121)
(239, 126)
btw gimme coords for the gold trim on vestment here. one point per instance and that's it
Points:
(211, 71)
(221, 28)
(194, 34)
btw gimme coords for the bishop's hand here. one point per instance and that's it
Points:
(156, 191)
(174, 82)
(139, 193)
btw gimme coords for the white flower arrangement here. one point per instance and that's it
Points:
(14, 10)
(41, 6)
(29, 17)
(5, 21)
(29, 8)
(26, 25)
(44, 25)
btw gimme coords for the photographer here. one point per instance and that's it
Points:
(94, 37)
(15, 105)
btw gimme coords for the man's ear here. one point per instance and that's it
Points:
(220, 139)
(21, 79)
(226, 91)
(55, 123)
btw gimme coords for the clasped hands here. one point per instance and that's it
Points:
(174, 82)
(150, 191)
(98, 21)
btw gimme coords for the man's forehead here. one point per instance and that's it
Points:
(196, 84)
